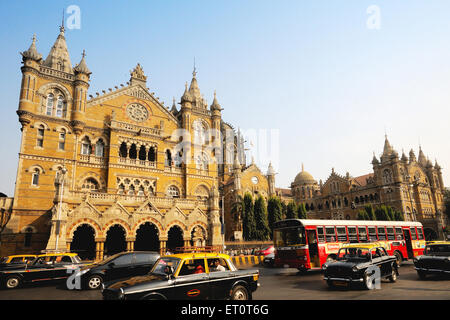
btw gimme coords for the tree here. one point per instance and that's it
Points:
(274, 212)
(248, 218)
(291, 210)
(301, 211)
(447, 203)
(362, 215)
(262, 231)
(382, 214)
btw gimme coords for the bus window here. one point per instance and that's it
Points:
(420, 233)
(330, 234)
(398, 233)
(381, 233)
(352, 234)
(362, 231)
(289, 236)
(413, 233)
(372, 234)
(320, 234)
(342, 234)
(390, 234)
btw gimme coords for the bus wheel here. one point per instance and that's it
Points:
(399, 258)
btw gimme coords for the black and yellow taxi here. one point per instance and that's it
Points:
(360, 263)
(435, 259)
(44, 267)
(187, 276)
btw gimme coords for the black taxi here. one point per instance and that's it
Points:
(435, 259)
(187, 276)
(362, 263)
(45, 267)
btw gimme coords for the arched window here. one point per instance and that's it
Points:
(28, 235)
(168, 160)
(133, 152)
(142, 153)
(100, 148)
(62, 139)
(35, 177)
(173, 192)
(60, 109)
(90, 184)
(40, 136)
(387, 176)
(86, 147)
(50, 102)
(141, 191)
(199, 132)
(152, 154)
(121, 189)
(123, 151)
(131, 190)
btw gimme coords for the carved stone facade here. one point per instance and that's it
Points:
(122, 162)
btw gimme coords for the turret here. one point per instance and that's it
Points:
(81, 86)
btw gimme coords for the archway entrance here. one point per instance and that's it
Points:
(147, 238)
(83, 242)
(175, 238)
(115, 240)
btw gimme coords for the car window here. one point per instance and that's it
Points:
(46, 260)
(123, 260)
(192, 266)
(217, 264)
(146, 258)
(66, 259)
(17, 260)
(162, 263)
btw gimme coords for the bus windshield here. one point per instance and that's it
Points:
(289, 236)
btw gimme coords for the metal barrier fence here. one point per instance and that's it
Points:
(247, 260)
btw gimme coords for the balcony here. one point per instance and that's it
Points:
(137, 162)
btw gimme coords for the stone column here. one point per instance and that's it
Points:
(162, 245)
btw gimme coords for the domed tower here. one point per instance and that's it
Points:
(304, 186)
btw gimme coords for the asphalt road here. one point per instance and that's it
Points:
(280, 284)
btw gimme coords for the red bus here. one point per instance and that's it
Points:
(307, 244)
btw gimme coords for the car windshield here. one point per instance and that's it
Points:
(354, 254)
(3, 260)
(162, 263)
(438, 249)
(76, 259)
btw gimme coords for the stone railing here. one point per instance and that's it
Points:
(102, 197)
(135, 128)
(137, 162)
(92, 159)
(56, 73)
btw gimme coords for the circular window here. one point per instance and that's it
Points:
(137, 112)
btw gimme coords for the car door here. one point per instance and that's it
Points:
(377, 260)
(41, 270)
(220, 282)
(63, 267)
(120, 267)
(190, 285)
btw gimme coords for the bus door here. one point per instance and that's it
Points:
(313, 247)
(409, 247)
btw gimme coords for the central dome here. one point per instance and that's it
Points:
(304, 178)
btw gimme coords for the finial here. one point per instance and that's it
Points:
(61, 28)
(194, 73)
(83, 54)
(303, 167)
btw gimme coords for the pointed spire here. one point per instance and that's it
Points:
(82, 66)
(32, 53)
(404, 157)
(412, 156)
(186, 97)
(215, 104)
(270, 171)
(436, 165)
(59, 58)
(138, 76)
(374, 159)
(174, 107)
(422, 160)
(387, 146)
(236, 164)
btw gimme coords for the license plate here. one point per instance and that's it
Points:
(340, 283)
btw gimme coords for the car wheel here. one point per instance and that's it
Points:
(94, 282)
(368, 282)
(422, 275)
(239, 293)
(393, 276)
(12, 282)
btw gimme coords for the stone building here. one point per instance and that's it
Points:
(411, 185)
(115, 171)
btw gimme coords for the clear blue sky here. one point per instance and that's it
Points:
(311, 69)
